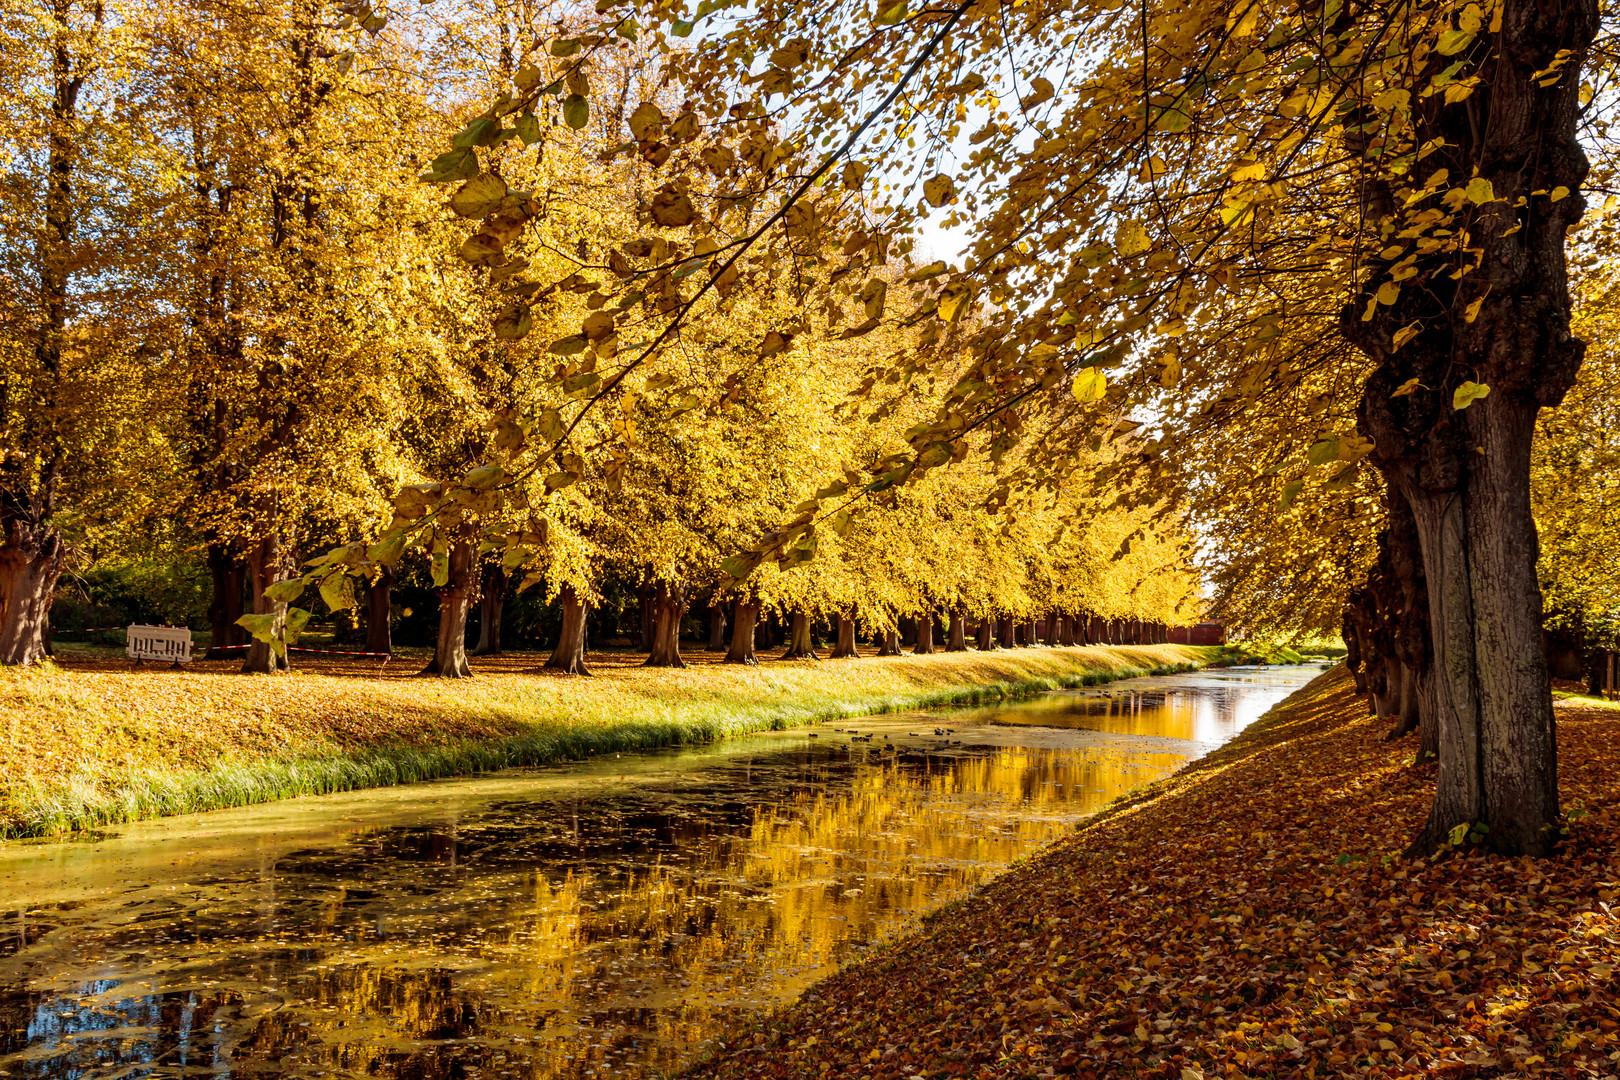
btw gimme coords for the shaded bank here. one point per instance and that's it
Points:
(85, 748)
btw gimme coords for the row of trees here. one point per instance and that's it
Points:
(238, 325)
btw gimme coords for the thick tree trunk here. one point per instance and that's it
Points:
(569, 655)
(270, 559)
(455, 605)
(925, 634)
(379, 612)
(227, 571)
(1503, 322)
(986, 637)
(800, 646)
(31, 561)
(1007, 633)
(844, 648)
(743, 633)
(717, 627)
(889, 642)
(491, 604)
(456, 598)
(957, 639)
(669, 607)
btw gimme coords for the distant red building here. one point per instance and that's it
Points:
(1208, 632)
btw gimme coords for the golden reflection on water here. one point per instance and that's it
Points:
(582, 931)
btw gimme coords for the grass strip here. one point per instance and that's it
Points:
(438, 729)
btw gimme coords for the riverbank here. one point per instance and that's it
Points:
(94, 743)
(1252, 916)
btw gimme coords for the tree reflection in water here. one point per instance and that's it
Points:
(578, 932)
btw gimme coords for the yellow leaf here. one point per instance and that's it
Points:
(1131, 239)
(1468, 393)
(1557, 193)
(1479, 190)
(1388, 293)
(1471, 312)
(939, 190)
(1042, 92)
(1405, 334)
(1089, 385)
(954, 300)
(1406, 387)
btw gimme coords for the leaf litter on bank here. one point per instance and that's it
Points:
(1253, 917)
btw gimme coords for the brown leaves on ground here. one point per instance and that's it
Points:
(1253, 917)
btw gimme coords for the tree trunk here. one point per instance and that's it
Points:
(845, 648)
(270, 559)
(957, 639)
(31, 560)
(455, 604)
(227, 572)
(491, 603)
(986, 638)
(888, 642)
(925, 634)
(743, 630)
(379, 612)
(800, 646)
(669, 606)
(906, 627)
(1504, 324)
(569, 655)
(717, 627)
(32, 552)
(1008, 632)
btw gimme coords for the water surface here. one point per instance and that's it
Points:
(590, 919)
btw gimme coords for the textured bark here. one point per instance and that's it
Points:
(569, 655)
(925, 635)
(1465, 473)
(645, 617)
(844, 646)
(1007, 633)
(491, 604)
(957, 641)
(227, 572)
(669, 606)
(743, 631)
(33, 553)
(800, 646)
(31, 562)
(986, 639)
(379, 612)
(455, 605)
(270, 559)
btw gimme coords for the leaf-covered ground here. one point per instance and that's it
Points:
(1252, 917)
(95, 739)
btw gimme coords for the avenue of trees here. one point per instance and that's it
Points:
(241, 332)
(647, 287)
